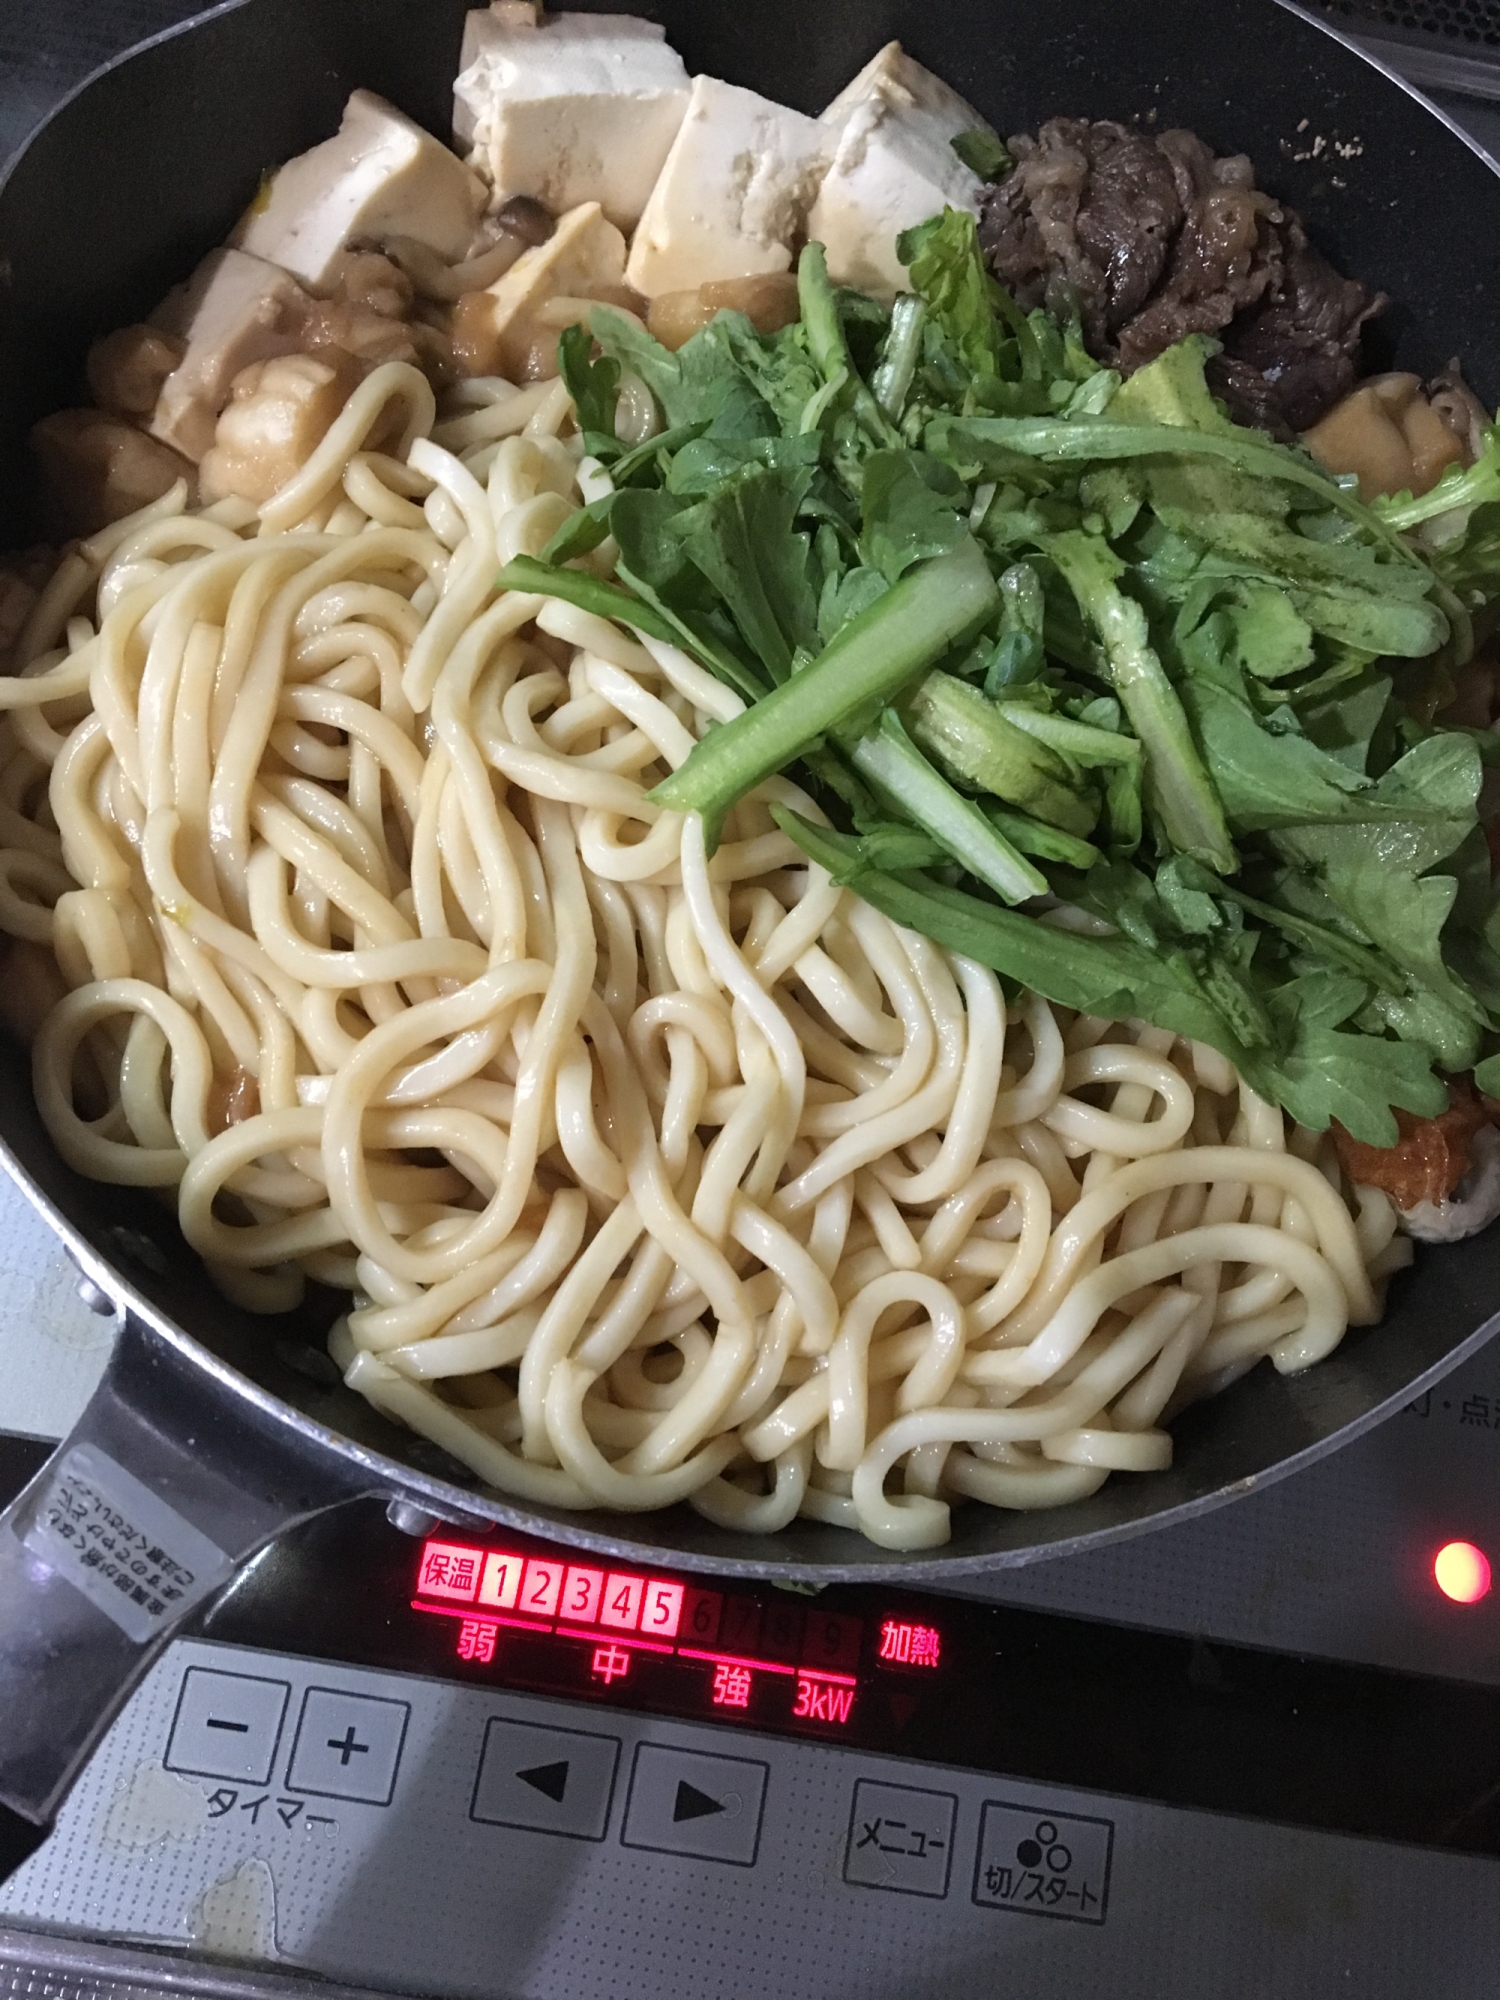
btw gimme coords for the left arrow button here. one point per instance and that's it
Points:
(551, 1780)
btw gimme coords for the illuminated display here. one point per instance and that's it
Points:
(909, 1645)
(1461, 1572)
(767, 1658)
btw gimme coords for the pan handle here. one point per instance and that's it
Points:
(139, 1517)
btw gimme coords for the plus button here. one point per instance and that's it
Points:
(346, 1746)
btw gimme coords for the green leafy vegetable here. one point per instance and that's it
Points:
(1179, 788)
(1027, 628)
(983, 154)
(970, 735)
(873, 658)
(891, 763)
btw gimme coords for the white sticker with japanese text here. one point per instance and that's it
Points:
(121, 1545)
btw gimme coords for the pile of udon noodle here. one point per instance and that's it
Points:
(653, 1177)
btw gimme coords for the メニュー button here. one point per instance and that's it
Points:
(695, 1803)
(546, 1780)
(227, 1725)
(901, 1838)
(348, 1746)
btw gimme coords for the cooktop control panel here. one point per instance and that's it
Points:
(411, 1834)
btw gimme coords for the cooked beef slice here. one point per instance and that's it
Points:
(1150, 238)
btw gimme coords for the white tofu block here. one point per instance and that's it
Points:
(583, 254)
(380, 175)
(893, 165)
(733, 195)
(235, 309)
(582, 109)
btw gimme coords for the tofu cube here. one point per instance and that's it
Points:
(583, 109)
(893, 165)
(733, 195)
(379, 176)
(584, 258)
(235, 310)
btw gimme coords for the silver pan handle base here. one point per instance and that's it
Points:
(142, 1514)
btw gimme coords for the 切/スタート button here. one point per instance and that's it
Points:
(693, 1802)
(546, 1780)
(227, 1725)
(348, 1746)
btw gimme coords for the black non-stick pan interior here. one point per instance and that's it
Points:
(146, 168)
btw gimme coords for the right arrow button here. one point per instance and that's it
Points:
(694, 1802)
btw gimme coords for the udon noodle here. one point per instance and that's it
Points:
(654, 1177)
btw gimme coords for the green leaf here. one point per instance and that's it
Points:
(1373, 875)
(594, 387)
(744, 540)
(1267, 636)
(892, 380)
(1173, 389)
(891, 764)
(886, 845)
(845, 596)
(1269, 778)
(983, 154)
(703, 383)
(581, 533)
(1324, 1073)
(1487, 1076)
(1035, 837)
(908, 510)
(1020, 651)
(704, 463)
(964, 304)
(843, 386)
(589, 593)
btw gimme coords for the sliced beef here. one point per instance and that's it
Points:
(1085, 222)
(1150, 238)
(1303, 339)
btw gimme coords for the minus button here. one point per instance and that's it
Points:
(227, 1726)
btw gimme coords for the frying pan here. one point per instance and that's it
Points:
(233, 1427)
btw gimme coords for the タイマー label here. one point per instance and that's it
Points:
(121, 1545)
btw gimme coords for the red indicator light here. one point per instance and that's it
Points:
(541, 1587)
(910, 1645)
(661, 1611)
(448, 1570)
(611, 1663)
(581, 1593)
(732, 1686)
(476, 1640)
(823, 1701)
(501, 1581)
(1462, 1572)
(622, 1602)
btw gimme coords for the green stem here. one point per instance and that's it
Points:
(830, 352)
(1059, 440)
(894, 765)
(1181, 790)
(903, 349)
(873, 657)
